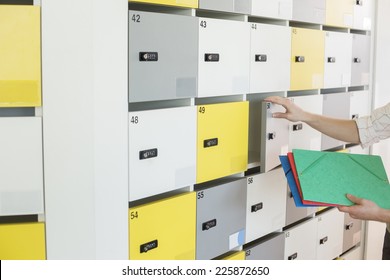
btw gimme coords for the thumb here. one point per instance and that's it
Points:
(354, 199)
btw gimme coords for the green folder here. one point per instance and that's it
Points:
(328, 176)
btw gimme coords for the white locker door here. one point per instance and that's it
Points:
(232, 6)
(312, 11)
(360, 60)
(162, 151)
(270, 58)
(362, 14)
(330, 234)
(300, 243)
(360, 104)
(301, 135)
(266, 204)
(224, 47)
(21, 166)
(281, 9)
(338, 52)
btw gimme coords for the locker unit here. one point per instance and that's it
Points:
(164, 229)
(21, 166)
(22, 241)
(360, 60)
(162, 151)
(236, 256)
(352, 232)
(338, 53)
(362, 14)
(224, 47)
(274, 136)
(329, 234)
(269, 248)
(359, 104)
(307, 59)
(279, 9)
(178, 3)
(337, 106)
(295, 214)
(163, 57)
(232, 6)
(339, 13)
(220, 219)
(301, 135)
(222, 140)
(266, 204)
(270, 58)
(20, 67)
(300, 241)
(312, 11)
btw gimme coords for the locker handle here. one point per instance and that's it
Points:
(297, 127)
(331, 60)
(211, 57)
(357, 60)
(209, 224)
(271, 135)
(324, 240)
(261, 58)
(257, 207)
(355, 116)
(359, 2)
(290, 194)
(210, 143)
(293, 257)
(146, 154)
(144, 248)
(349, 226)
(148, 56)
(299, 59)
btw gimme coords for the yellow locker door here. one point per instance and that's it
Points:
(179, 3)
(20, 60)
(222, 140)
(307, 59)
(22, 241)
(340, 12)
(237, 256)
(164, 230)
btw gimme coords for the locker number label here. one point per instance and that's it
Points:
(134, 120)
(250, 180)
(254, 26)
(203, 23)
(200, 195)
(133, 215)
(136, 18)
(202, 109)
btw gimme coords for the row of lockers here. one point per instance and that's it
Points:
(341, 13)
(185, 56)
(177, 147)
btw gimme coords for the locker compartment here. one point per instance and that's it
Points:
(162, 57)
(224, 50)
(295, 214)
(222, 140)
(300, 241)
(360, 60)
(362, 14)
(22, 241)
(360, 103)
(330, 234)
(339, 13)
(220, 219)
(280, 9)
(178, 3)
(301, 135)
(270, 58)
(307, 59)
(236, 256)
(162, 155)
(20, 67)
(266, 204)
(268, 248)
(21, 166)
(352, 232)
(336, 106)
(232, 6)
(163, 230)
(274, 136)
(312, 11)
(338, 53)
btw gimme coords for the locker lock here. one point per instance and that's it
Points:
(293, 257)
(298, 126)
(257, 207)
(359, 2)
(331, 60)
(261, 58)
(146, 154)
(271, 135)
(211, 57)
(357, 60)
(349, 226)
(324, 240)
(299, 58)
(210, 142)
(209, 224)
(148, 56)
(355, 116)
(144, 248)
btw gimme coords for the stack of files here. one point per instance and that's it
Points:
(319, 178)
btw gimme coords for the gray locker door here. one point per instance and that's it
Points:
(270, 248)
(220, 221)
(163, 55)
(232, 6)
(312, 11)
(360, 60)
(352, 232)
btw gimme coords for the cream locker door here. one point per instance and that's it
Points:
(270, 58)
(21, 166)
(352, 232)
(224, 47)
(162, 151)
(338, 52)
(330, 234)
(312, 11)
(178, 3)
(360, 60)
(274, 137)
(162, 56)
(301, 135)
(359, 104)
(269, 248)
(339, 13)
(337, 106)
(232, 6)
(281, 9)
(300, 241)
(266, 204)
(362, 14)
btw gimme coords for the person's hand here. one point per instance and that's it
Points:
(293, 112)
(363, 209)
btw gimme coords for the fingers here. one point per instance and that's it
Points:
(354, 199)
(276, 99)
